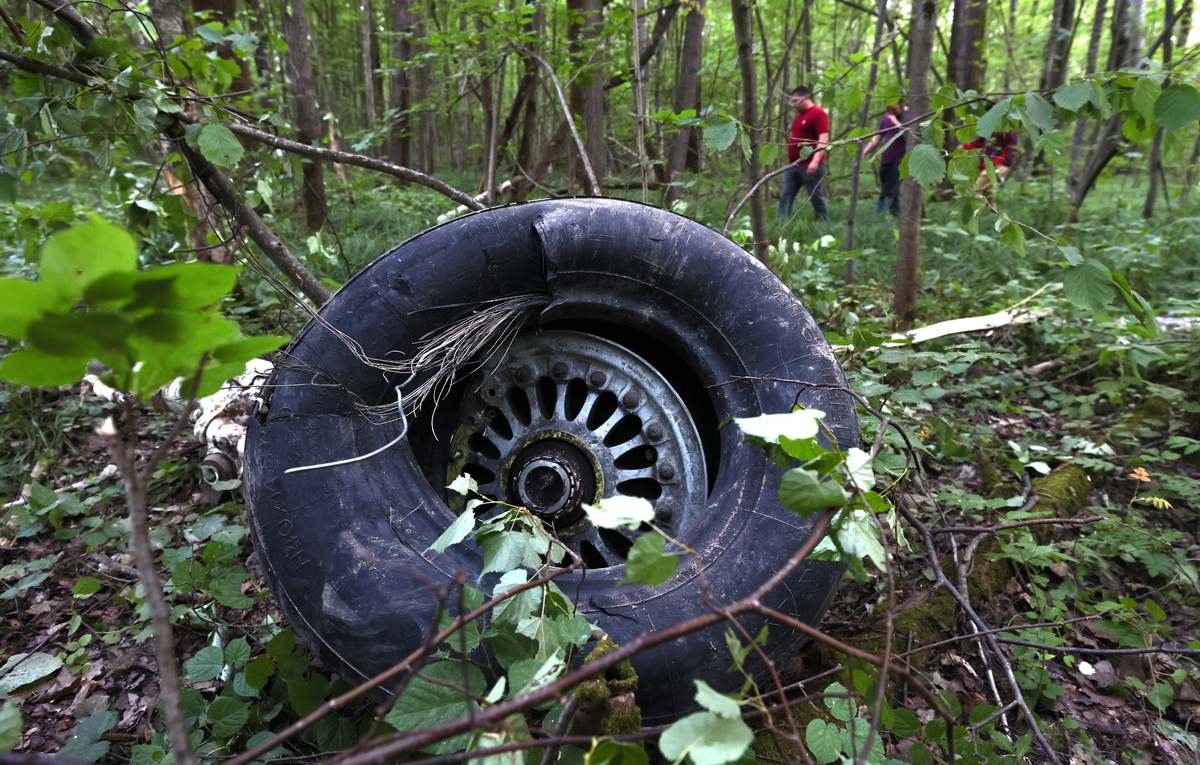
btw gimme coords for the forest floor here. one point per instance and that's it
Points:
(1113, 722)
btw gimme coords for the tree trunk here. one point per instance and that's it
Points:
(171, 21)
(758, 202)
(640, 98)
(1156, 164)
(587, 93)
(308, 118)
(1128, 19)
(370, 61)
(1093, 54)
(872, 78)
(529, 127)
(400, 100)
(687, 96)
(912, 197)
(1058, 45)
(965, 64)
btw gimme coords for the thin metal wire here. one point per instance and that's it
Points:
(380, 450)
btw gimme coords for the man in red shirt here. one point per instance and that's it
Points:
(810, 131)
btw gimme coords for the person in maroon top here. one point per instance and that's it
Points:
(895, 147)
(810, 130)
(1000, 151)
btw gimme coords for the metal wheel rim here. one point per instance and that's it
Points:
(566, 418)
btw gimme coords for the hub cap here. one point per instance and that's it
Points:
(565, 419)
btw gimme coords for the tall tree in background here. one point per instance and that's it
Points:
(965, 62)
(372, 84)
(1125, 48)
(1058, 44)
(404, 22)
(686, 96)
(586, 22)
(172, 22)
(745, 52)
(912, 197)
(297, 33)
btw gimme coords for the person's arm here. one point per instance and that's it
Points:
(870, 145)
(814, 161)
(821, 127)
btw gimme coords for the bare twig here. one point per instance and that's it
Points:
(593, 184)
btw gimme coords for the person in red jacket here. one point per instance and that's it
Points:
(1000, 151)
(810, 131)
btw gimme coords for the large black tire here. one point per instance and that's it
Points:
(342, 547)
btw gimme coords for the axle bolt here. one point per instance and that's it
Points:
(654, 432)
(598, 378)
(559, 369)
(667, 472)
(631, 399)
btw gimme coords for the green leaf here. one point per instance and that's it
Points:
(307, 694)
(41, 370)
(607, 752)
(1013, 235)
(1040, 112)
(841, 708)
(85, 335)
(1136, 304)
(227, 716)
(85, 744)
(647, 563)
(1178, 106)
(176, 287)
(1161, 695)
(926, 165)
(237, 653)
(720, 137)
(920, 754)
(717, 703)
(1089, 285)
(507, 550)
(463, 485)
(219, 145)
(904, 723)
(425, 704)
(804, 492)
(1071, 254)
(22, 301)
(78, 256)
(800, 424)
(86, 587)
(988, 123)
(1073, 96)
(1155, 610)
(259, 671)
(824, 741)
(620, 511)
(1145, 94)
(455, 533)
(10, 725)
(860, 467)
(768, 153)
(706, 739)
(206, 664)
(24, 669)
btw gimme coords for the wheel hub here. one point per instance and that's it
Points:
(554, 479)
(565, 419)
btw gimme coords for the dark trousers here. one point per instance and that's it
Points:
(797, 178)
(889, 188)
